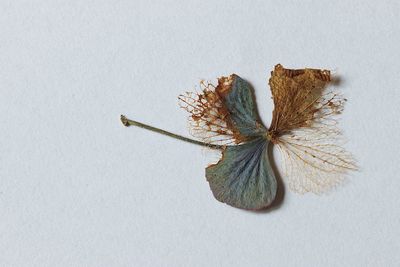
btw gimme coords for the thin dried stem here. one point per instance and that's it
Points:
(127, 122)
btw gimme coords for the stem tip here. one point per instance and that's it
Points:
(124, 121)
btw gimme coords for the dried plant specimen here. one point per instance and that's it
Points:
(304, 127)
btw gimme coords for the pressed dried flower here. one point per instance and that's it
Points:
(304, 127)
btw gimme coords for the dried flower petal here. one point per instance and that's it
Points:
(243, 177)
(220, 117)
(305, 128)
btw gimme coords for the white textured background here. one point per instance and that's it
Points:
(79, 189)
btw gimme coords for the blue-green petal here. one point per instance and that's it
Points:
(242, 108)
(243, 178)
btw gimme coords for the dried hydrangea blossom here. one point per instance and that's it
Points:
(304, 127)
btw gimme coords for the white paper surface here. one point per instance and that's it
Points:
(79, 189)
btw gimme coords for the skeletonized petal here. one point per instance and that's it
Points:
(304, 126)
(224, 114)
